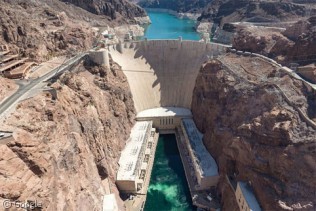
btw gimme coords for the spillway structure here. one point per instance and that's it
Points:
(161, 75)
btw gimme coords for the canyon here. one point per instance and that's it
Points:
(254, 133)
(66, 145)
(186, 6)
(112, 9)
(41, 30)
(258, 120)
(225, 11)
(293, 44)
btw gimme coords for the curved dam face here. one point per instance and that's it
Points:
(162, 73)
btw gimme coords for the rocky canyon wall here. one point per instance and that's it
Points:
(7, 87)
(225, 11)
(112, 8)
(255, 134)
(295, 44)
(193, 6)
(66, 146)
(41, 30)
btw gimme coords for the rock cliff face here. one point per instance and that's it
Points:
(176, 5)
(254, 124)
(41, 32)
(6, 88)
(220, 11)
(303, 34)
(111, 8)
(264, 41)
(66, 146)
(41, 29)
(296, 44)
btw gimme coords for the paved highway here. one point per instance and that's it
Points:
(23, 89)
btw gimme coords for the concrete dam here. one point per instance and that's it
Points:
(162, 73)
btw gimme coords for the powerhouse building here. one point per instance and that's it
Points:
(133, 163)
(204, 165)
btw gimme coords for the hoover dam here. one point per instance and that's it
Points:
(120, 116)
(162, 73)
(162, 77)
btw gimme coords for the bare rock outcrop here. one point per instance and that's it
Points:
(303, 33)
(308, 72)
(7, 87)
(225, 11)
(253, 117)
(40, 31)
(191, 6)
(263, 40)
(66, 145)
(112, 8)
(296, 44)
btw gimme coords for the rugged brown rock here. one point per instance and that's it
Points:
(41, 31)
(308, 72)
(113, 8)
(225, 11)
(296, 44)
(303, 33)
(66, 145)
(258, 133)
(176, 5)
(261, 40)
(7, 87)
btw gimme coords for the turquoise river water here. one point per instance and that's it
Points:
(166, 26)
(168, 189)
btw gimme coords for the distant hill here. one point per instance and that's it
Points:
(176, 5)
(294, 45)
(111, 8)
(252, 11)
(220, 11)
(41, 29)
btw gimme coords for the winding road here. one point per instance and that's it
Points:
(25, 88)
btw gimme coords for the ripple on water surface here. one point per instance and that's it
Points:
(168, 189)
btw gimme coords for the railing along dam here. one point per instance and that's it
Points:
(162, 73)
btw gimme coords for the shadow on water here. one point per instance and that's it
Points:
(168, 189)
